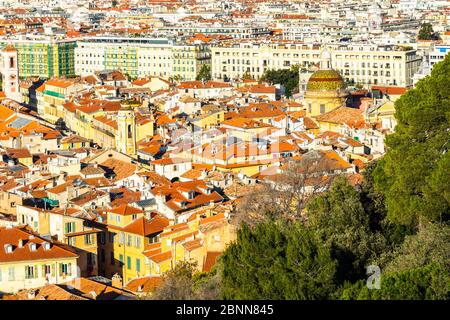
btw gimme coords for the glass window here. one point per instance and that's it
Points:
(88, 239)
(11, 274)
(65, 268)
(29, 272)
(322, 108)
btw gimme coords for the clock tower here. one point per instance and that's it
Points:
(10, 73)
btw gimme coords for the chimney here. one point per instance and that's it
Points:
(31, 294)
(116, 281)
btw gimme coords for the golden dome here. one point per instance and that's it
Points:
(325, 80)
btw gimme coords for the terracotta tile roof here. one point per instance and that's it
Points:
(48, 292)
(86, 287)
(193, 244)
(154, 178)
(342, 115)
(125, 210)
(390, 90)
(145, 284)
(144, 227)
(18, 153)
(60, 188)
(161, 257)
(13, 236)
(121, 169)
(201, 85)
(245, 123)
(169, 161)
(61, 83)
(91, 170)
(210, 260)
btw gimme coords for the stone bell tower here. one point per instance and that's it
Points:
(10, 73)
(126, 130)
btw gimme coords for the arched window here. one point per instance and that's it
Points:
(11, 62)
(129, 132)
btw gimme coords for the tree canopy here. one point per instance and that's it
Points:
(204, 73)
(431, 282)
(277, 261)
(426, 32)
(413, 174)
(287, 77)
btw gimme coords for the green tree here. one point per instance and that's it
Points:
(426, 32)
(275, 260)
(340, 219)
(431, 244)
(247, 76)
(177, 283)
(413, 175)
(286, 77)
(184, 282)
(204, 73)
(431, 282)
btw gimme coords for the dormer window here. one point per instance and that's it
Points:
(191, 195)
(46, 246)
(8, 248)
(32, 246)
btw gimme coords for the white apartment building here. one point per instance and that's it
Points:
(140, 57)
(438, 54)
(137, 57)
(363, 64)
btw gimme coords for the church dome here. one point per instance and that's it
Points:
(325, 80)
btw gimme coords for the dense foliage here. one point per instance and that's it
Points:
(204, 73)
(426, 32)
(414, 173)
(287, 77)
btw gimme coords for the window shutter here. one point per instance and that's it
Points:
(43, 271)
(36, 271)
(66, 228)
(53, 270)
(69, 269)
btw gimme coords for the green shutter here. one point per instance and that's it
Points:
(53, 270)
(138, 265)
(36, 271)
(66, 227)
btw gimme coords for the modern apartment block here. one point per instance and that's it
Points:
(44, 56)
(438, 54)
(363, 64)
(140, 57)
